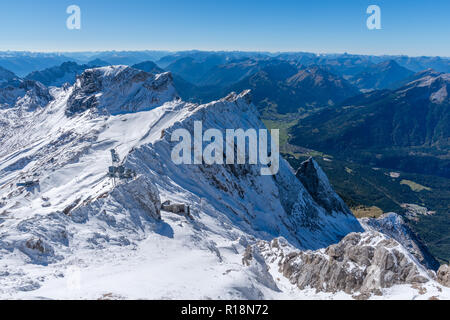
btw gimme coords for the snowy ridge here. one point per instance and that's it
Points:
(265, 206)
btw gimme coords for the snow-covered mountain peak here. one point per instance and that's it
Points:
(120, 89)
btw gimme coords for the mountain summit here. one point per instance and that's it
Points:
(119, 89)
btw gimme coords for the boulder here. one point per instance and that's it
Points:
(443, 275)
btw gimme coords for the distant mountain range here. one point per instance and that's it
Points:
(23, 63)
(281, 83)
(65, 73)
(6, 75)
(409, 114)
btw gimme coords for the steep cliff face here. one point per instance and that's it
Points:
(60, 208)
(317, 184)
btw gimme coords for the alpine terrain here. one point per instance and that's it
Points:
(93, 207)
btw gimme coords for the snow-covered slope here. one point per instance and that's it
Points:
(76, 233)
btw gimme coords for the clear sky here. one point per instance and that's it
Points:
(409, 27)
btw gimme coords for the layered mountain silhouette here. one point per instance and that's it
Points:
(293, 89)
(407, 128)
(64, 73)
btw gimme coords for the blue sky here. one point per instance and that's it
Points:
(408, 27)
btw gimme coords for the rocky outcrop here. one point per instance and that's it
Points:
(138, 199)
(393, 225)
(361, 263)
(141, 194)
(318, 185)
(443, 275)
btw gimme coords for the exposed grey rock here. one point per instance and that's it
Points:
(139, 199)
(318, 185)
(443, 275)
(361, 263)
(393, 225)
(140, 193)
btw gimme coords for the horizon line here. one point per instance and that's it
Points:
(224, 51)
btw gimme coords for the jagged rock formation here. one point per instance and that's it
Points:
(65, 73)
(393, 225)
(361, 263)
(317, 184)
(120, 89)
(138, 197)
(443, 275)
(6, 75)
(23, 94)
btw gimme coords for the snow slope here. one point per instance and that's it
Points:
(79, 234)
